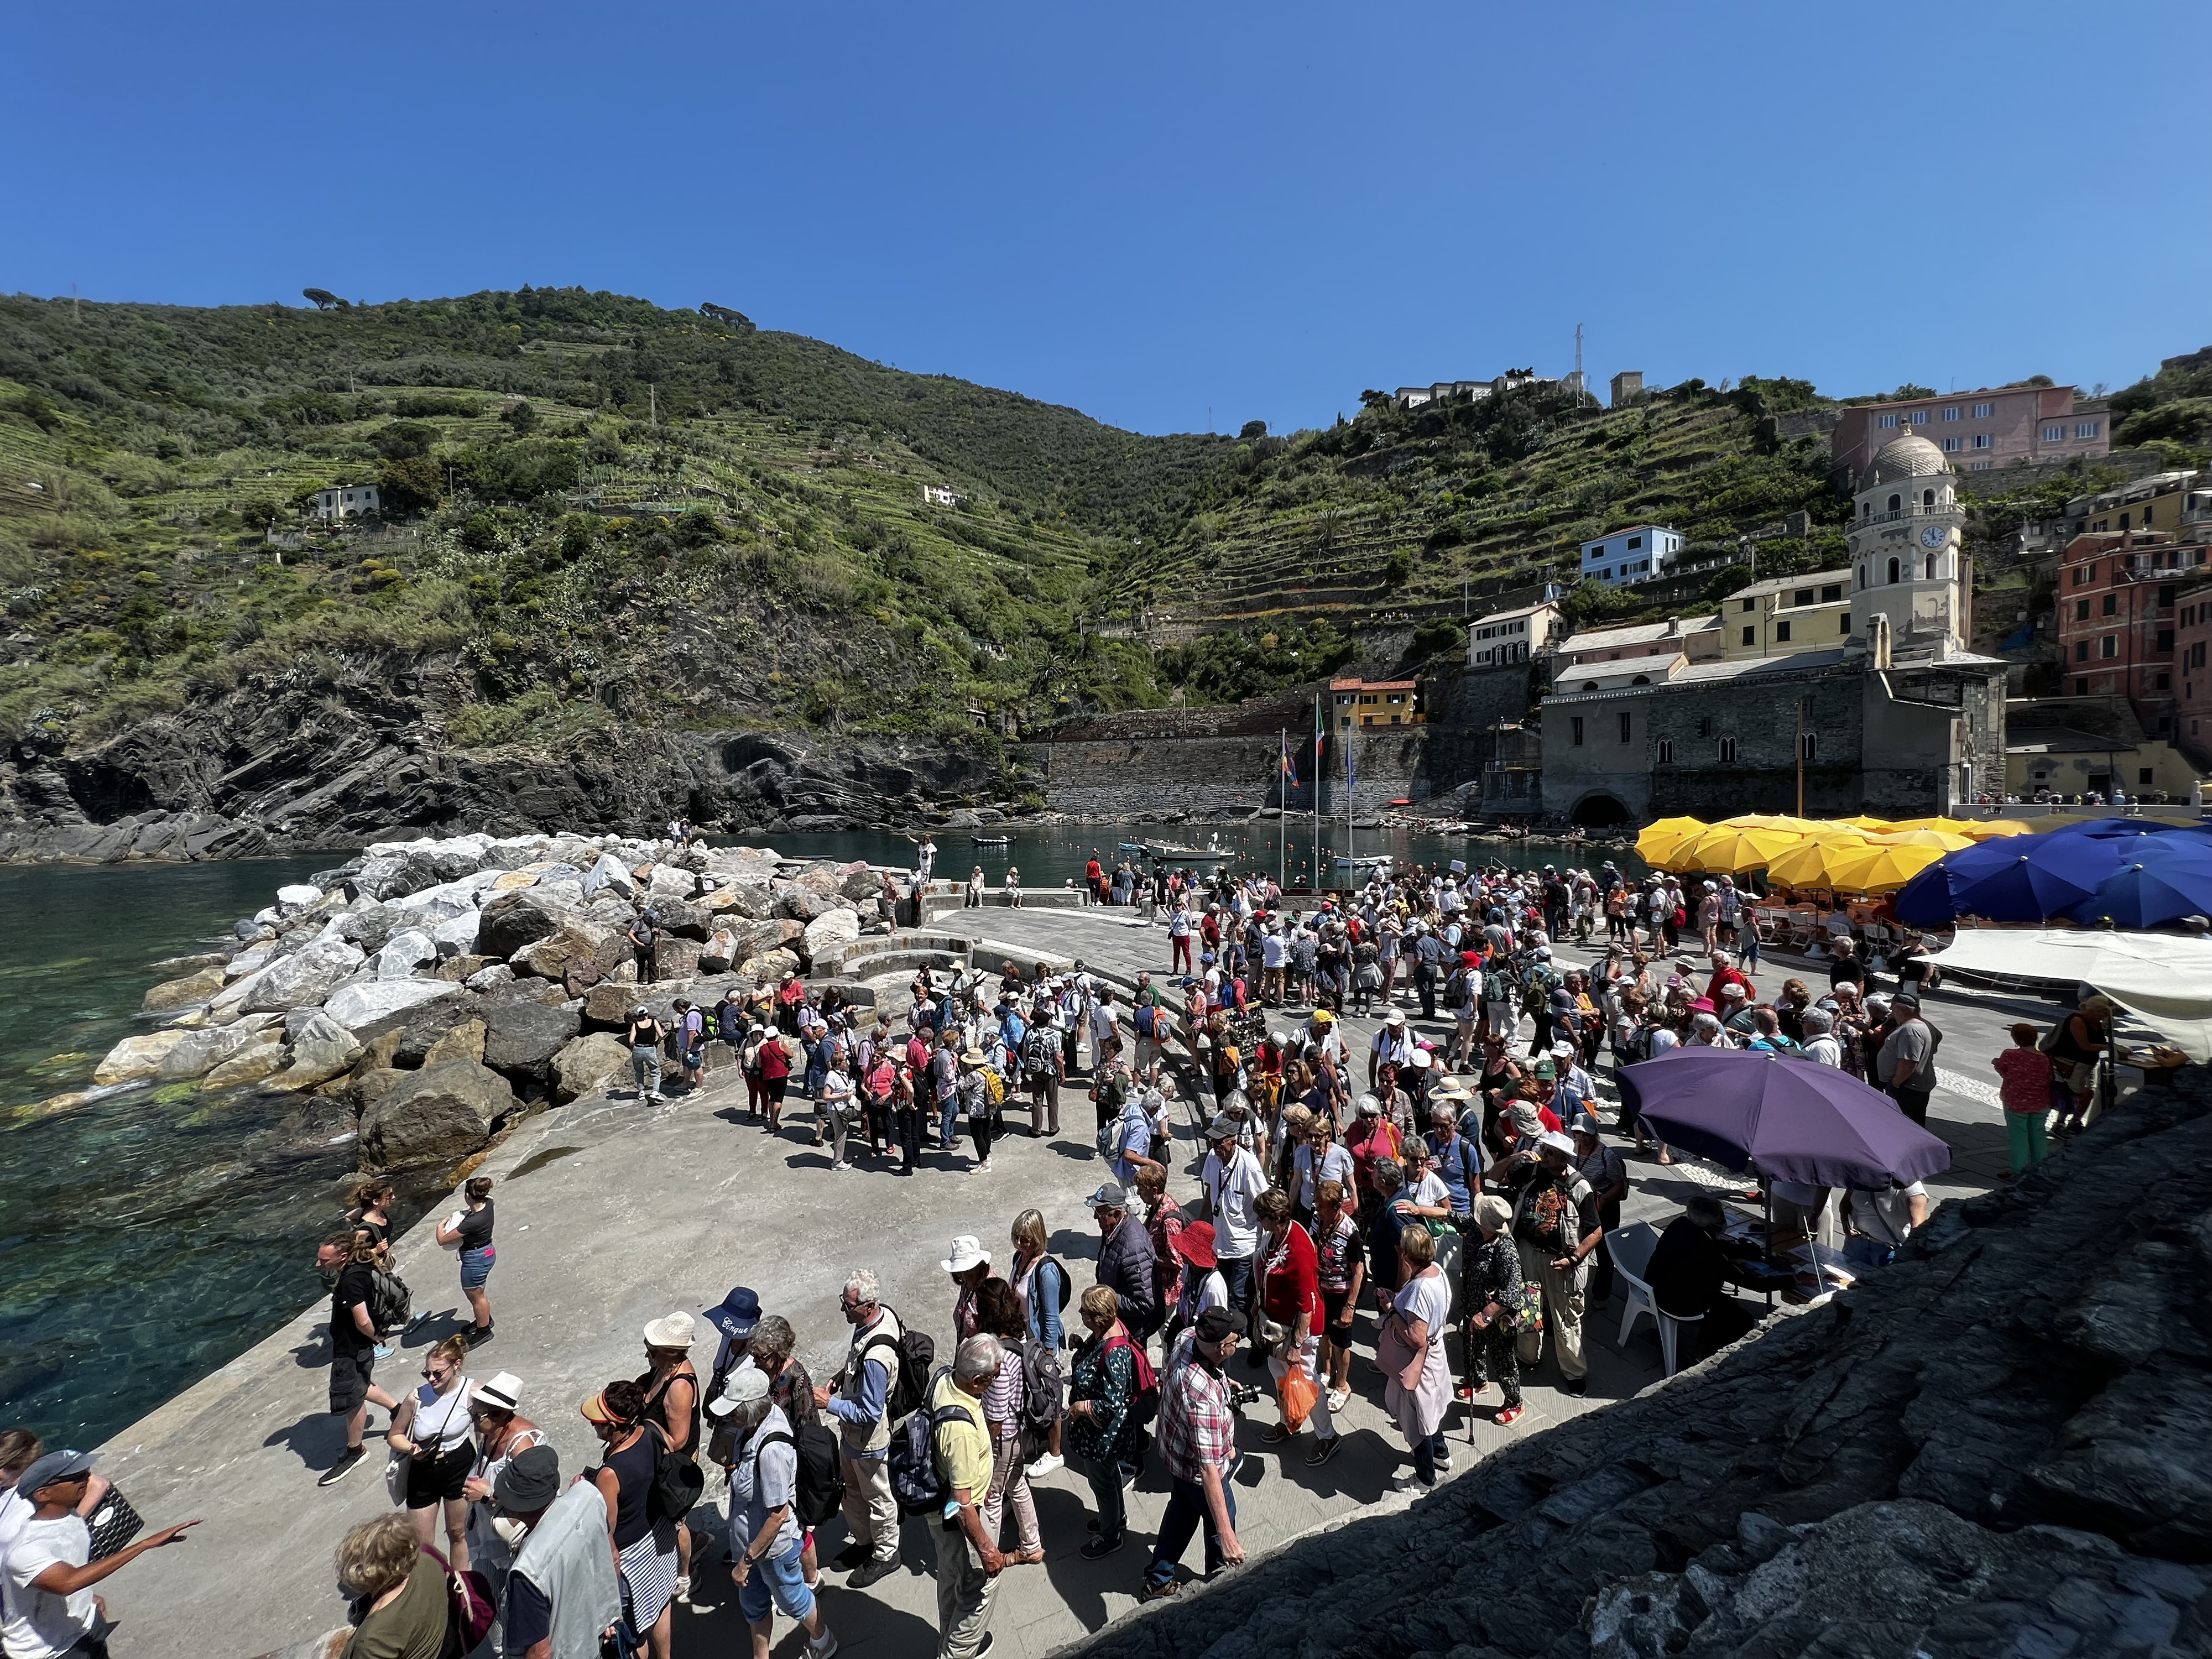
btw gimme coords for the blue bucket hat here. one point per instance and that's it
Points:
(738, 1313)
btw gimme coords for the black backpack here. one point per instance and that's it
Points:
(820, 1490)
(916, 1354)
(678, 1480)
(1040, 1391)
(389, 1302)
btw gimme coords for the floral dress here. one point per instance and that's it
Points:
(1492, 1272)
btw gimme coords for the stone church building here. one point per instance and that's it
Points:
(1900, 717)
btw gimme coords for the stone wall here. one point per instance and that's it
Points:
(2000, 1445)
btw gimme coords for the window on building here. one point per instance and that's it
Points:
(1887, 421)
(2054, 435)
(1666, 751)
(1574, 729)
(1635, 541)
(1808, 746)
(1830, 593)
(1919, 418)
(1952, 413)
(1604, 576)
(1980, 466)
(1897, 504)
(2082, 651)
(2165, 596)
(2124, 524)
(2082, 687)
(1782, 633)
(1750, 634)
(1625, 721)
(1892, 570)
(2164, 683)
(1950, 445)
(1843, 622)
(2081, 577)
(1750, 605)
(1983, 441)
(2143, 774)
(2085, 429)
(1802, 596)
(1726, 749)
(2109, 647)
(2081, 610)
(2111, 604)
(1983, 411)
(1931, 566)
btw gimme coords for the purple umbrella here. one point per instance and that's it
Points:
(1796, 1120)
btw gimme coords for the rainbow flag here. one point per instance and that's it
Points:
(1289, 771)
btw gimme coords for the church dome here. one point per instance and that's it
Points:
(1908, 456)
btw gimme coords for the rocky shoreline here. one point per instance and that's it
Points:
(444, 987)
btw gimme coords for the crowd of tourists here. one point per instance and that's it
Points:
(1326, 1205)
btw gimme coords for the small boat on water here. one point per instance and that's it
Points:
(1368, 861)
(991, 840)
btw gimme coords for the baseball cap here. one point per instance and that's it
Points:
(1111, 1194)
(54, 1466)
(1216, 1323)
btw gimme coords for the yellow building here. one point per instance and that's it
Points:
(1377, 703)
(1787, 614)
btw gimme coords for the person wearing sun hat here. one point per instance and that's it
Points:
(1203, 1286)
(967, 1265)
(670, 1387)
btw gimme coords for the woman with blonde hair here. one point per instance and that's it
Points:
(1101, 1431)
(1411, 1345)
(432, 1427)
(397, 1594)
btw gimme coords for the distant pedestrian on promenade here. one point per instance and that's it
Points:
(468, 1230)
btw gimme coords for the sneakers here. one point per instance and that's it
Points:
(383, 1351)
(1324, 1449)
(1097, 1549)
(1276, 1433)
(342, 1467)
(1577, 1386)
(825, 1647)
(984, 1167)
(872, 1572)
(1048, 1464)
(478, 1338)
(1153, 1592)
(1507, 1418)
(841, 1164)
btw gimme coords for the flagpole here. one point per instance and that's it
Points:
(1316, 777)
(1283, 816)
(1350, 851)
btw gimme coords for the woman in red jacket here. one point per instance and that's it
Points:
(1289, 1294)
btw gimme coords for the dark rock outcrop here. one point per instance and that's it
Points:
(522, 1038)
(2003, 1444)
(441, 1112)
(272, 768)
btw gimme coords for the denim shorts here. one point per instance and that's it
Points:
(776, 1581)
(475, 1266)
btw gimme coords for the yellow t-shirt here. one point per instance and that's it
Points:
(963, 1449)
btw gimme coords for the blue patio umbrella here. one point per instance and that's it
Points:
(2034, 877)
(2122, 828)
(2160, 882)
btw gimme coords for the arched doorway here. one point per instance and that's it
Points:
(1598, 811)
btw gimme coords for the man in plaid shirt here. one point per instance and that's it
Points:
(1198, 1442)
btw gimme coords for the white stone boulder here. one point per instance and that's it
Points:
(610, 874)
(308, 975)
(587, 1064)
(672, 882)
(263, 1058)
(204, 1049)
(252, 959)
(318, 1053)
(456, 936)
(404, 953)
(359, 1006)
(137, 1058)
(831, 927)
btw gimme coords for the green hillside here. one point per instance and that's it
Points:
(598, 509)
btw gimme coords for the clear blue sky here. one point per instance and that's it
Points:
(1149, 212)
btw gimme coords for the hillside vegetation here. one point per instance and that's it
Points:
(601, 511)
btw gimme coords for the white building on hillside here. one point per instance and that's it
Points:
(1510, 637)
(1634, 555)
(345, 500)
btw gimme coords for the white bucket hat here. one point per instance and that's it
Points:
(967, 1252)
(672, 1331)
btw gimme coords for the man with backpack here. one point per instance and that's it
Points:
(769, 1539)
(562, 1589)
(1557, 1226)
(864, 1402)
(1041, 1072)
(968, 1559)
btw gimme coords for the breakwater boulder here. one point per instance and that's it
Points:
(511, 959)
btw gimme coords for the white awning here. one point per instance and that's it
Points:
(2165, 980)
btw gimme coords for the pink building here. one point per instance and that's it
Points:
(1979, 431)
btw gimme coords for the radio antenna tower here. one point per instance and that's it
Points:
(1578, 354)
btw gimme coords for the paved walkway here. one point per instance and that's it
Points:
(612, 1214)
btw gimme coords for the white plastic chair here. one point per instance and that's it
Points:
(1631, 1246)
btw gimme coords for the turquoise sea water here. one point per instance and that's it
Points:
(148, 1236)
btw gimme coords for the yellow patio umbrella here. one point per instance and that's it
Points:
(1868, 820)
(1881, 869)
(1658, 840)
(1948, 826)
(1733, 849)
(1809, 864)
(1993, 829)
(1937, 838)
(1772, 821)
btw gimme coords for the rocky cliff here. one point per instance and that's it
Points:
(2000, 1446)
(300, 770)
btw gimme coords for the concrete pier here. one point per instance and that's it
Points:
(612, 1214)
